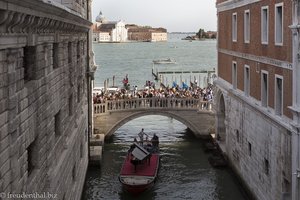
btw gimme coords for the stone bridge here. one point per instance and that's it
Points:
(197, 115)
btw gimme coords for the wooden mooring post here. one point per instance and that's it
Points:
(158, 74)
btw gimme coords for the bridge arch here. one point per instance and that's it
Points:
(220, 117)
(146, 113)
(197, 115)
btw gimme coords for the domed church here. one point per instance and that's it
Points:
(109, 31)
(101, 18)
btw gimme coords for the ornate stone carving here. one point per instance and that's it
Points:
(15, 22)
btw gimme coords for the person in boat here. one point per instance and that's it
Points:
(142, 134)
(132, 146)
(155, 140)
(148, 144)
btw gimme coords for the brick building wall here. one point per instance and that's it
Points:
(146, 34)
(255, 53)
(255, 46)
(256, 135)
(139, 36)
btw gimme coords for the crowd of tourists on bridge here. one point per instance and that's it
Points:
(195, 92)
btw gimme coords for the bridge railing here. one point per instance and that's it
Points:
(151, 103)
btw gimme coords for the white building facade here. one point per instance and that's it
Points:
(119, 33)
(159, 36)
(109, 31)
(104, 37)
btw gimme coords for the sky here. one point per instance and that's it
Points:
(174, 15)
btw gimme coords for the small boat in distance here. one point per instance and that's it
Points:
(164, 61)
(140, 167)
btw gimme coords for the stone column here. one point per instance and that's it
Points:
(91, 68)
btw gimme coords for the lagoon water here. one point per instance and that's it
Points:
(135, 59)
(185, 172)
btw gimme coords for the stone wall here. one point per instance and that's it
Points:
(272, 58)
(43, 100)
(258, 147)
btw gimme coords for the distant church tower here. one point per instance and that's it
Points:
(100, 19)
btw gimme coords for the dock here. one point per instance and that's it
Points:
(157, 74)
(96, 146)
(162, 76)
(186, 72)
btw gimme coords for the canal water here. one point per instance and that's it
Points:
(185, 172)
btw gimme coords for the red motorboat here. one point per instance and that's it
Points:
(140, 168)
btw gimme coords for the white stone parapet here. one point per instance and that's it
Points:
(152, 103)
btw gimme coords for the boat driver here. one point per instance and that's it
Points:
(141, 135)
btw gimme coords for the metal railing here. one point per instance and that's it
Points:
(152, 103)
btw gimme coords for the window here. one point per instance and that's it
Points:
(71, 105)
(78, 51)
(70, 52)
(249, 149)
(83, 86)
(264, 88)
(86, 133)
(57, 124)
(286, 187)
(247, 80)
(278, 95)
(78, 92)
(279, 24)
(237, 134)
(31, 157)
(264, 24)
(266, 166)
(81, 150)
(234, 75)
(29, 62)
(55, 55)
(234, 27)
(247, 26)
(74, 172)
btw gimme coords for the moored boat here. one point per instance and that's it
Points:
(164, 61)
(140, 168)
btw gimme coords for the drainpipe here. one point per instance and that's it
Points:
(295, 133)
(88, 80)
(90, 77)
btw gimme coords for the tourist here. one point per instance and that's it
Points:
(204, 94)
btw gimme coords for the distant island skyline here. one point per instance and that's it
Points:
(175, 15)
(180, 32)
